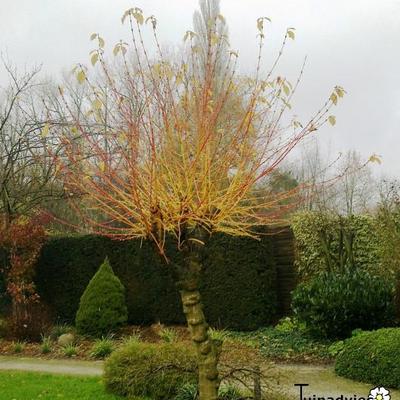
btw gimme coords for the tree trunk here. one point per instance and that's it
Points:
(208, 350)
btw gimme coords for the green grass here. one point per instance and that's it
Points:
(31, 386)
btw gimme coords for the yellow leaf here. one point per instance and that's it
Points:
(93, 36)
(94, 58)
(97, 104)
(153, 21)
(102, 166)
(286, 89)
(375, 159)
(214, 39)
(340, 91)
(81, 76)
(126, 13)
(179, 78)
(290, 33)
(333, 98)
(221, 18)
(117, 48)
(122, 138)
(260, 24)
(45, 131)
(139, 17)
(189, 34)
(332, 120)
(101, 42)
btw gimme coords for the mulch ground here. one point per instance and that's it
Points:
(84, 345)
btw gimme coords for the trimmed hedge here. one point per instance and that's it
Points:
(310, 255)
(154, 370)
(102, 308)
(239, 285)
(372, 357)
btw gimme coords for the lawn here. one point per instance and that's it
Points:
(30, 386)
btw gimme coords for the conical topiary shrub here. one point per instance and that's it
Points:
(102, 307)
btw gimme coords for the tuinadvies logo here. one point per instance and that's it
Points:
(377, 393)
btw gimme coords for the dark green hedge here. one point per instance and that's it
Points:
(239, 286)
(372, 357)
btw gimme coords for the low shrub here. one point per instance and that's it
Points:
(167, 335)
(18, 347)
(46, 345)
(228, 392)
(102, 348)
(148, 369)
(70, 350)
(102, 308)
(333, 304)
(372, 357)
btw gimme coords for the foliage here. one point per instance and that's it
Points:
(148, 369)
(239, 284)
(229, 393)
(388, 226)
(372, 357)
(282, 343)
(168, 335)
(290, 324)
(102, 348)
(22, 240)
(18, 347)
(30, 385)
(46, 345)
(190, 391)
(326, 241)
(70, 350)
(218, 334)
(335, 348)
(102, 307)
(333, 304)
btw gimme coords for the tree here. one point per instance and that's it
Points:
(26, 170)
(356, 191)
(169, 169)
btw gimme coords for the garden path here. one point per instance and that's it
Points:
(323, 382)
(73, 367)
(321, 379)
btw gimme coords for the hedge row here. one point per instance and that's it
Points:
(310, 255)
(239, 283)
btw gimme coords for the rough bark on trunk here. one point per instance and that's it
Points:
(208, 350)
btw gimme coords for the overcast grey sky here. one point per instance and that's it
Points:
(355, 44)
